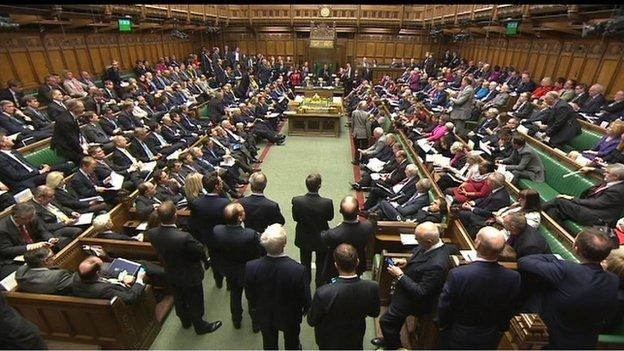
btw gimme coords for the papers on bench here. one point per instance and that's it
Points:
(116, 180)
(228, 161)
(522, 129)
(299, 98)
(142, 226)
(174, 155)
(84, 219)
(588, 117)
(375, 176)
(337, 100)
(439, 160)
(424, 145)
(149, 166)
(508, 175)
(408, 239)
(23, 196)
(375, 164)
(272, 115)
(469, 255)
(9, 282)
(93, 198)
(120, 265)
(485, 147)
(583, 161)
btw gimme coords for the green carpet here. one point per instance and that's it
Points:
(286, 168)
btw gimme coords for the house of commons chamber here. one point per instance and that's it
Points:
(252, 176)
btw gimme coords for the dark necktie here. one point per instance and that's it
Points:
(25, 235)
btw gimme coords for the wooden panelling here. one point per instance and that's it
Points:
(587, 60)
(31, 56)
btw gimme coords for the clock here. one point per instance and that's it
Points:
(325, 12)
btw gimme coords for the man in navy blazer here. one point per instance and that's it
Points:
(418, 200)
(312, 212)
(479, 298)
(278, 291)
(206, 213)
(474, 213)
(233, 246)
(579, 296)
(260, 211)
(419, 281)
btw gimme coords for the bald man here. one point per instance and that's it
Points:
(233, 246)
(419, 281)
(353, 231)
(87, 283)
(479, 298)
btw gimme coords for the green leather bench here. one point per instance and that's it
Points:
(44, 156)
(584, 141)
(202, 112)
(555, 184)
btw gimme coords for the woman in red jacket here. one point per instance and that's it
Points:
(475, 187)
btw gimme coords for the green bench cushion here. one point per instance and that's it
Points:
(202, 113)
(44, 156)
(585, 141)
(546, 191)
(573, 227)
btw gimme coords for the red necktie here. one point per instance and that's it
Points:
(25, 236)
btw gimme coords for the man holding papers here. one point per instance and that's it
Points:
(524, 162)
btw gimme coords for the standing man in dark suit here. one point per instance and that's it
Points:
(278, 291)
(419, 281)
(579, 296)
(260, 211)
(598, 205)
(352, 231)
(233, 247)
(312, 212)
(182, 257)
(206, 213)
(479, 298)
(339, 310)
(562, 124)
(66, 139)
(22, 231)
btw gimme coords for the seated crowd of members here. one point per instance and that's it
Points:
(244, 236)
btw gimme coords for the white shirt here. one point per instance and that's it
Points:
(127, 153)
(438, 245)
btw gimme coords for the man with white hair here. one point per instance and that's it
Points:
(595, 101)
(379, 142)
(562, 124)
(278, 290)
(419, 280)
(472, 315)
(474, 213)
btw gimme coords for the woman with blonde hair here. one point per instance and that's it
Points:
(193, 187)
(68, 198)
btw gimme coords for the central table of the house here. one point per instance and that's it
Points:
(317, 112)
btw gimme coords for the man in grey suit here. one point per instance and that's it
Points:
(39, 276)
(462, 106)
(524, 162)
(380, 142)
(361, 127)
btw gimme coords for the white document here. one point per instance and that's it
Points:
(430, 158)
(408, 239)
(272, 115)
(149, 166)
(227, 162)
(441, 161)
(142, 226)
(394, 204)
(23, 196)
(174, 155)
(424, 145)
(522, 129)
(471, 144)
(484, 146)
(375, 176)
(375, 164)
(469, 255)
(583, 161)
(13, 136)
(116, 180)
(604, 124)
(299, 98)
(93, 198)
(84, 219)
(9, 282)
(337, 100)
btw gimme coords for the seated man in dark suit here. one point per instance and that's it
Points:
(94, 133)
(146, 202)
(278, 291)
(13, 92)
(400, 191)
(260, 211)
(338, 311)
(140, 148)
(599, 205)
(133, 176)
(478, 299)
(523, 239)
(88, 283)
(419, 282)
(353, 231)
(18, 173)
(40, 276)
(156, 141)
(578, 297)
(22, 231)
(86, 183)
(398, 211)
(38, 118)
(233, 246)
(57, 219)
(14, 125)
(562, 124)
(474, 213)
